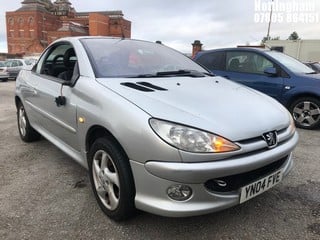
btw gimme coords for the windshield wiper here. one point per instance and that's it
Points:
(147, 75)
(178, 73)
(181, 73)
(311, 73)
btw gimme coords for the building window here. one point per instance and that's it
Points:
(31, 33)
(31, 21)
(11, 33)
(21, 33)
(11, 21)
(20, 21)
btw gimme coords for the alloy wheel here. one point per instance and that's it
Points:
(306, 113)
(106, 179)
(22, 121)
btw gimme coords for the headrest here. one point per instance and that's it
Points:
(66, 58)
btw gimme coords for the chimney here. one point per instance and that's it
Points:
(196, 47)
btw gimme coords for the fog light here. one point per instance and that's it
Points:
(179, 192)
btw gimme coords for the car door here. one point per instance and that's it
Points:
(56, 119)
(11, 64)
(249, 68)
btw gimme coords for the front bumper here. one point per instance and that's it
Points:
(4, 75)
(153, 178)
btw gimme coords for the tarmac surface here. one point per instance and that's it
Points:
(44, 194)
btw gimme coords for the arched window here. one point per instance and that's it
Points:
(31, 21)
(11, 21)
(20, 21)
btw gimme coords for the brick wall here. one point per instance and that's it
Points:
(98, 24)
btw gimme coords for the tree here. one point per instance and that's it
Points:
(294, 36)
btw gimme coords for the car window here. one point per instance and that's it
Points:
(247, 62)
(58, 62)
(19, 63)
(291, 63)
(30, 61)
(14, 64)
(213, 60)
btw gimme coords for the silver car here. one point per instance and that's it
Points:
(156, 131)
(4, 75)
(14, 66)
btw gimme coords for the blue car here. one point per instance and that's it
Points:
(278, 75)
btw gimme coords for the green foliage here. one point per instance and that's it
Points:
(294, 36)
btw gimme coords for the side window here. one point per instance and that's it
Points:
(247, 62)
(58, 61)
(262, 64)
(14, 64)
(19, 63)
(213, 61)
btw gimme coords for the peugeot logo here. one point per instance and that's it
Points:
(271, 139)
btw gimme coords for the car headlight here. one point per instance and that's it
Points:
(191, 139)
(292, 125)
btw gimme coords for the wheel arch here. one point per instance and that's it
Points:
(98, 131)
(17, 100)
(301, 95)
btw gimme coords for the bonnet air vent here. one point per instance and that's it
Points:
(143, 86)
(137, 87)
(146, 84)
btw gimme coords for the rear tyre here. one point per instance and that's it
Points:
(306, 112)
(27, 133)
(111, 179)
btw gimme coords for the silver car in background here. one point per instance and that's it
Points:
(14, 66)
(156, 131)
(4, 75)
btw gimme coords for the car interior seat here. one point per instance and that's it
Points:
(69, 64)
(234, 64)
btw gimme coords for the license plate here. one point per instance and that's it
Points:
(254, 189)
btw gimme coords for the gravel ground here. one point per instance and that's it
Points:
(44, 194)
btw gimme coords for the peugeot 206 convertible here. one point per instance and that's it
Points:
(155, 130)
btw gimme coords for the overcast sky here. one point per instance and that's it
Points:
(216, 23)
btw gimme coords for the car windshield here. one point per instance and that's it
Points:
(132, 58)
(291, 63)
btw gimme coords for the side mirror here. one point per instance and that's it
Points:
(271, 71)
(66, 83)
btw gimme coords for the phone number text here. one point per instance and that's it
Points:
(287, 17)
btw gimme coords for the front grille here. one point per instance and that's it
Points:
(259, 138)
(237, 181)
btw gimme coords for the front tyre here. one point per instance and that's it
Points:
(27, 133)
(111, 179)
(306, 112)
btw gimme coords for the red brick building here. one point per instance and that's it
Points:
(37, 23)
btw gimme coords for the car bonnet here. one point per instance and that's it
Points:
(210, 103)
